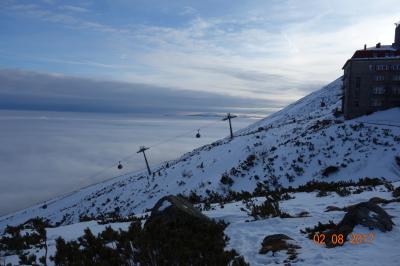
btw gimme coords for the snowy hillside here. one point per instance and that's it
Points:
(304, 141)
(246, 234)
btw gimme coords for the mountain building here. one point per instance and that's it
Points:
(371, 80)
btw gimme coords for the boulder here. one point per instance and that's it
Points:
(367, 214)
(333, 208)
(396, 192)
(370, 215)
(279, 242)
(171, 208)
(378, 200)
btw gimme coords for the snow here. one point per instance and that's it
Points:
(246, 237)
(68, 233)
(165, 204)
(73, 231)
(246, 234)
(291, 147)
(389, 117)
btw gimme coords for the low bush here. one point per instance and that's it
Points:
(189, 244)
(396, 192)
(397, 158)
(330, 170)
(343, 192)
(226, 180)
(265, 210)
(318, 229)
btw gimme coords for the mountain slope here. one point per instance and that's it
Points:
(303, 141)
(246, 233)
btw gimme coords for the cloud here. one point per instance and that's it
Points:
(276, 51)
(74, 8)
(57, 152)
(188, 10)
(44, 154)
(51, 15)
(25, 90)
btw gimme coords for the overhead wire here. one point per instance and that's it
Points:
(183, 134)
(124, 159)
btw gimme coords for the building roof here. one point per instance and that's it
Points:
(376, 52)
(382, 48)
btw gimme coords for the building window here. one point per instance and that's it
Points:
(356, 93)
(396, 91)
(371, 68)
(396, 77)
(383, 67)
(358, 82)
(376, 102)
(378, 90)
(380, 67)
(395, 67)
(356, 103)
(379, 78)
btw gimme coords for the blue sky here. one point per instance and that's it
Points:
(273, 50)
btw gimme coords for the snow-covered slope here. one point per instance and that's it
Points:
(287, 148)
(247, 234)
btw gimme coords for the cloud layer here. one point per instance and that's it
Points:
(275, 50)
(26, 90)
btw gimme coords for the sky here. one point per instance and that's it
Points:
(75, 75)
(276, 51)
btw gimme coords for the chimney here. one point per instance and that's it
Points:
(365, 47)
(397, 36)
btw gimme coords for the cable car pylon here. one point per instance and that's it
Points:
(143, 149)
(228, 117)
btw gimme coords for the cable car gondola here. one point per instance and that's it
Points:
(119, 165)
(198, 134)
(322, 103)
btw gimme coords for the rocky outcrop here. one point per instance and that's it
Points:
(396, 192)
(279, 242)
(172, 208)
(367, 214)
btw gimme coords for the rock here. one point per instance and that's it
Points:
(367, 214)
(279, 242)
(396, 192)
(303, 214)
(170, 208)
(330, 170)
(378, 200)
(333, 208)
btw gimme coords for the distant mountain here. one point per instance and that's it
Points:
(306, 140)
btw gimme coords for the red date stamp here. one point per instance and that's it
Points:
(338, 239)
(361, 238)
